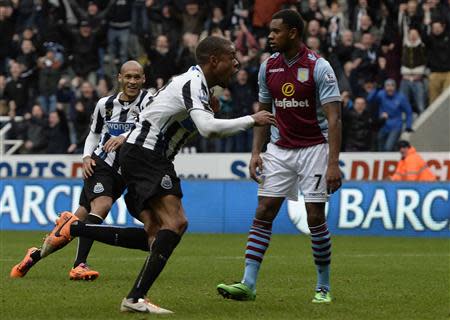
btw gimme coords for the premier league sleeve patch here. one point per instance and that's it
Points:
(302, 74)
(330, 78)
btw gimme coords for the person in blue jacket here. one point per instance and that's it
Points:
(391, 106)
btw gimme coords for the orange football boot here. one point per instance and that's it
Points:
(83, 272)
(21, 269)
(60, 235)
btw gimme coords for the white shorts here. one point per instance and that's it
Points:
(286, 172)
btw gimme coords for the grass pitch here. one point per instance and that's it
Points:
(372, 278)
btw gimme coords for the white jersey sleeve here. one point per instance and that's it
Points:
(91, 143)
(264, 95)
(326, 82)
(210, 127)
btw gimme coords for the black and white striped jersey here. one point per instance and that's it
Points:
(165, 123)
(111, 118)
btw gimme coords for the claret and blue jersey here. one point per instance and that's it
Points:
(297, 90)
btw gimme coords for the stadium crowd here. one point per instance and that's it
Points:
(58, 57)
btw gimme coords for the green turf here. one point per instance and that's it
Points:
(372, 278)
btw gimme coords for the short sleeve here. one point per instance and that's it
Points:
(264, 95)
(196, 95)
(326, 82)
(97, 117)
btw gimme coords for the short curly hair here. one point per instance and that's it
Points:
(209, 46)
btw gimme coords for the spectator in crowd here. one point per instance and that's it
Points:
(361, 9)
(58, 133)
(409, 16)
(36, 125)
(49, 71)
(3, 103)
(16, 91)
(169, 24)
(357, 126)
(392, 105)
(97, 19)
(246, 44)
(140, 23)
(262, 14)
(313, 12)
(192, 18)
(161, 61)
(345, 48)
(335, 24)
(413, 70)
(186, 52)
(25, 13)
(119, 31)
(366, 26)
(7, 31)
(84, 59)
(390, 51)
(411, 167)
(243, 96)
(216, 20)
(365, 62)
(27, 56)
(437, 42)
(227, 111)
(81, 115)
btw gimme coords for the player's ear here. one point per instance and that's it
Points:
(213, 59)
(293, 33)
(119, 78)
(143, 78)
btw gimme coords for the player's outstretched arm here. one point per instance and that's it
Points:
(209, 127)
(259, 138)
(333, 175)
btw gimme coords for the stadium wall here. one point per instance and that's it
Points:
(227, 206)
(432, 129)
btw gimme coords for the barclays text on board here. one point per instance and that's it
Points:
(359, 208)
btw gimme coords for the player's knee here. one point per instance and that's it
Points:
(266, 212)
(181, 225)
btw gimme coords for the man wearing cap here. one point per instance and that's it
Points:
(391, 106)
(411, 167)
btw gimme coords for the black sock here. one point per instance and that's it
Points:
(132, 238)
(163, 246)
(36, 256)
(85, 244)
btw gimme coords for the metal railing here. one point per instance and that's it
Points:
(8, 146)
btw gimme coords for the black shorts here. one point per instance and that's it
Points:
(147, 175)
(104, 182)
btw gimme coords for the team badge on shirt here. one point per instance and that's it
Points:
(302, 74)
(166, 182)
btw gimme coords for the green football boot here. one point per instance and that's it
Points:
(237, 291)
(322, 296)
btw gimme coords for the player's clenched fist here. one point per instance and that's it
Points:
(263, 118)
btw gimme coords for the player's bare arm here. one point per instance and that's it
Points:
(259, 138)
(333, 175)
